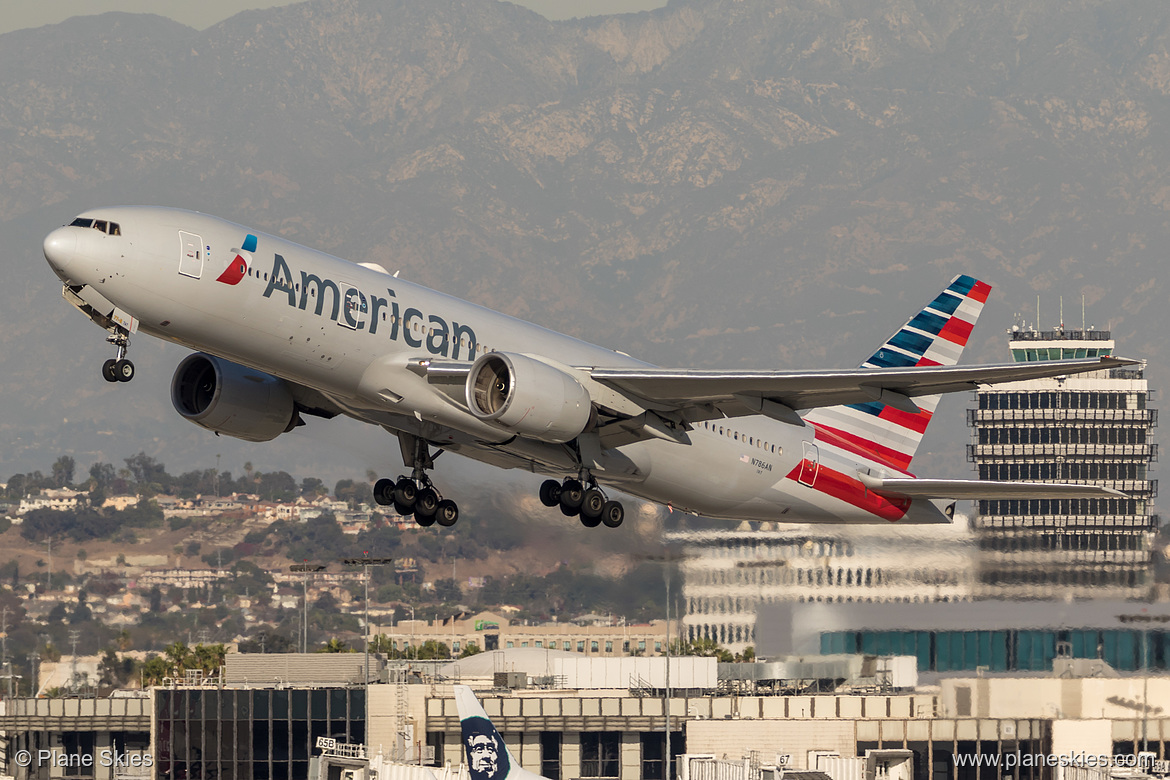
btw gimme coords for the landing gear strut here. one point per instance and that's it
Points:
(416, 495)
(118, 369)
(584, 498)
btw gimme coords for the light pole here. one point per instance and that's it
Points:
(413, 648)
(668, 560)
(306, 568)
(366, 562)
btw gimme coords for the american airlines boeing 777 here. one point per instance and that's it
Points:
(283, 332)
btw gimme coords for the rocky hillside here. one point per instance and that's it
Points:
(718, 183)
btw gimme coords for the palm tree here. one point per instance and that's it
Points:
(154, 670)
(335, 645)
(179, 657)
(209, 658)
(123, 640)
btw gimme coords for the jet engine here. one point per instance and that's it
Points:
(228, 398)
(528, 397)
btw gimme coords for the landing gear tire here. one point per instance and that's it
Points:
(550, 493)
(108, 370)
(426, 521)
(124, 370)
(592, 503)
(405, 494)
(447, 513)
(384, 492)
(402, 509)
(590, 522)
(572, 494)
(612, 514)
(567, 512)
(426, 504)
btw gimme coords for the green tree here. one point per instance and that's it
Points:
(154, 669)
(432, 650)
(706, 648)
(102, 476)
(472, 648)
(447, 591)
(354, 493)
(178, 656)
(335, 645)
(277, 486)
(311, 488)
(63, 471)
(208, 658)
(149, 475)
(382, 644)
(123, 640)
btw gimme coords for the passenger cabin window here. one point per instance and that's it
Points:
(100, 225)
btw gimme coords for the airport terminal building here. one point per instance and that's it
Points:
(568, 717)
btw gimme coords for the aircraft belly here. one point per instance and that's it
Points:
(712, 477)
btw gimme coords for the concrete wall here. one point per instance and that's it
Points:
(737, 738)
(1122, 698)
(1073, 737)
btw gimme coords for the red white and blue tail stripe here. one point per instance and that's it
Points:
(935, 336)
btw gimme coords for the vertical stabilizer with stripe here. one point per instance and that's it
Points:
(935, 336)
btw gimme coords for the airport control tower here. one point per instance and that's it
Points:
(1095, 428)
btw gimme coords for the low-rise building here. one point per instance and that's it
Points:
(492, 631)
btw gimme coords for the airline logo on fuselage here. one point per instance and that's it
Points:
(352, 308)
(239, 264)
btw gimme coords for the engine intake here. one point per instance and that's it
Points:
(528, 397)
(228, 398)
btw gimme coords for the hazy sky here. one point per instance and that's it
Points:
(203, 14)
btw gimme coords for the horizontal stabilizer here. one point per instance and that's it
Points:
(983, 489)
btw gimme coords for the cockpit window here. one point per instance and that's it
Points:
(100, 225)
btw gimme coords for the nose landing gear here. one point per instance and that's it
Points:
(118, 369)
(589, 503)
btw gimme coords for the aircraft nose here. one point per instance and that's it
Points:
(60, 249)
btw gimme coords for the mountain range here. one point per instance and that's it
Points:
(716, 183)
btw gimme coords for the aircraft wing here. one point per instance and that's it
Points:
(680, 388)
(985, 489)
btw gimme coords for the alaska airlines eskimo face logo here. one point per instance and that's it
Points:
(486, 757)
(239, 265)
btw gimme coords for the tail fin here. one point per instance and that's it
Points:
(488, 758)
(933, 337)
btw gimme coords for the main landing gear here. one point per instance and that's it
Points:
(416, 495)
(118, 369)
(582, 497)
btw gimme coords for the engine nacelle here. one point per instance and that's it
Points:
(528, 397)
(228, 398)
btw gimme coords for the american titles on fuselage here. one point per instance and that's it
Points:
(352, 308)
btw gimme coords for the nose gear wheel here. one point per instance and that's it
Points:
(118, 369)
